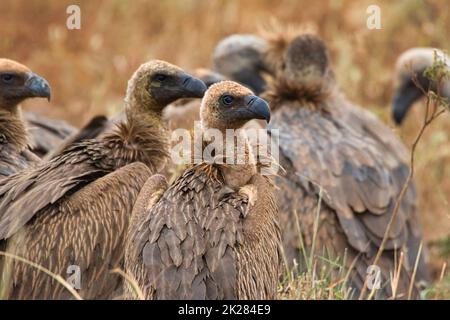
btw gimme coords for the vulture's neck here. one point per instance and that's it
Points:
(238, 168)
(12, 129)
(141, 137)
(310, 95)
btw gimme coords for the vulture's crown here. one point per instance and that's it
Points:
(306, 59)
(302, 69)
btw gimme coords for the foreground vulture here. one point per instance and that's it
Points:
(414, 62)
(327, 142)
(213, 233)
(17, 83)
(73, 211)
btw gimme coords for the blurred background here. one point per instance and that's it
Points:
(88, 69)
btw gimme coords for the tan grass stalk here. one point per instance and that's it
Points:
(55, 276)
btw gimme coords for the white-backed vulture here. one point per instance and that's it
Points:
(327, 142)
(412, 63)
(17, 83)
(213, 233)
(74, 209)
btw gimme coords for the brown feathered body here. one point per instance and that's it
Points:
(360, 166)
(193, 245)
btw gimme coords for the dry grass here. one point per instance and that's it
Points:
(88, 68)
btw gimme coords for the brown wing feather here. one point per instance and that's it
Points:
(87, 229)
(46, 184)
(11, 162)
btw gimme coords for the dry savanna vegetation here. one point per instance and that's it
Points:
(88, 70)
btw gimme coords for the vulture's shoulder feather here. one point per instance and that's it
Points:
(25, 193)
(88, 230)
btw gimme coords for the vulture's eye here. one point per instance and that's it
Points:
(7, 77)
(227, 100)
(160, 77)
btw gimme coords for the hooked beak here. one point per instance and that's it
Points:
(402, 102)
(258, 108)
(38, 86)
(192, 87)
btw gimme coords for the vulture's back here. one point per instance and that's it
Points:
(195, 243)
(361, 169)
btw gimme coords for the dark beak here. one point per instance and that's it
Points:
(402, 102)
(192, 87)
(38, 86)
(258, 108)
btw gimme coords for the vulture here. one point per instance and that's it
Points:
(341, 159)
(17, 83)
(213, 233)
(414, 62)
(72, 212)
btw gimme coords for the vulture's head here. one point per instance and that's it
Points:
(240, 58)
(409, 66)
(18, 83)
(229, 105)
(157, 83)
(305, 60)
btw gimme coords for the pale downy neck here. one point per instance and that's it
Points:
(12, 129)
(141, 136)
(242, 167)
